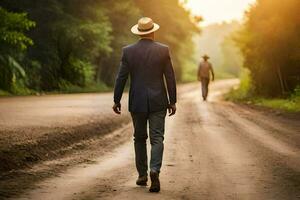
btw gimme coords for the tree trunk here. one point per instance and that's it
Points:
(279, 73)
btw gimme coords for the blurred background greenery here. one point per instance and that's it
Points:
(269, 42)
(75, 45)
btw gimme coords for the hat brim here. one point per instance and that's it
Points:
(136, 31)
(205, 57)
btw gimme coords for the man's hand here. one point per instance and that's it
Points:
(199, 78)
(117, 108)
(172, 109)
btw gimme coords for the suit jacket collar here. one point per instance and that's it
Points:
(146, 39)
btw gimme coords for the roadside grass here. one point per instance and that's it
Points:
(69, 89)
(76, 89)
(245, 94)
(4, 93)
(19, 91)
(289, 105)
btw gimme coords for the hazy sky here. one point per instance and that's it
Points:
(219, 10)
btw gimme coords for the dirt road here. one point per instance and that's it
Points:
(34, 129)
(214, 150)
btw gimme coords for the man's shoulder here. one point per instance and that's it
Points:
(161, 45)
(156, 45)
(205, 62)
(130, 46)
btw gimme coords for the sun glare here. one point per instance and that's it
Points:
(217, 11)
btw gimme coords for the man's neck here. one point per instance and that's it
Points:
(147, 38)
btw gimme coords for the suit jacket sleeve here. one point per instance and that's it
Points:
(121, 79)
(170, 79)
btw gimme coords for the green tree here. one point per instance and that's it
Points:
(78, 42)
(127, 15)
(13, 42)
(69, 37)
(270, 44)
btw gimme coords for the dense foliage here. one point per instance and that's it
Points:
(270, 44)
(78, 43)
(13, 42)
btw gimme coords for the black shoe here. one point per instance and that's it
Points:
(155, 184)
(142, 180)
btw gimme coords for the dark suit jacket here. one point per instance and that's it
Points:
(147, 62)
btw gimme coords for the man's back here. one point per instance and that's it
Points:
(204, 69)
(147, 62)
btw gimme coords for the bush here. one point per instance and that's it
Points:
(245, 91)
(4, 93)
(13, 42)
(296, 94)
(78, 72)
(246, 94)
(95, 87)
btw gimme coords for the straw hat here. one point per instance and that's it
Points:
(205, 56)
(145, 26)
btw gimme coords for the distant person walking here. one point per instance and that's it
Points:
(147, 63)
(204, 70)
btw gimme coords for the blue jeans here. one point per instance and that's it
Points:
(156, 122)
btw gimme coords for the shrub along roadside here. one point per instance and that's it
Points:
(290, 105)
(245, 94)
(66, 89)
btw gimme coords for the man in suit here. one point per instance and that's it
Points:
(204, 70)
(149, 66)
